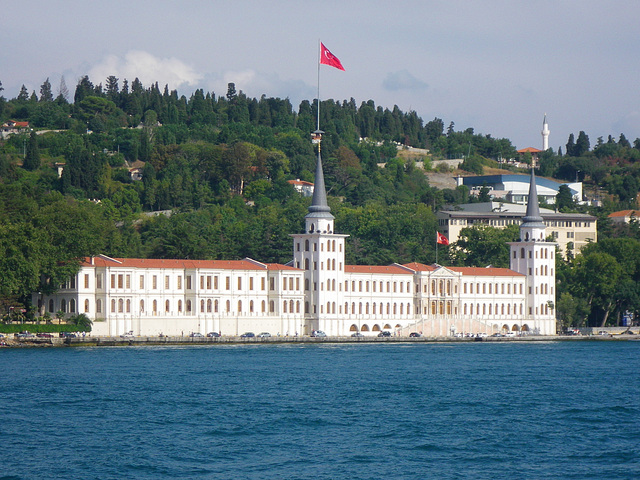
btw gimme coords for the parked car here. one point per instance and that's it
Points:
(213, 334)
(357, 334)
(318, 333)
(415, 334)
(248, 335)
(264, 335)
(129, 334)
(385, 333)
(44, 335)
(196, 335)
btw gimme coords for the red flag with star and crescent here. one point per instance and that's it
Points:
(441, 239)
(328, 58)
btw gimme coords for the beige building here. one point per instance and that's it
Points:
(577, 229)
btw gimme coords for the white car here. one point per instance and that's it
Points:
(264, 335)
(129, 334)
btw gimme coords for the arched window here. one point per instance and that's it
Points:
(306, 245)
(290, 306)
(128, 305)
(251, 306)
(141, 306)
(284, 306)
(264, 306)
(228, 305)
(86, 306)
(215, 306)
(98, 306)
(522, 253)
(188, 306)
(120, 305)
(306, 264)
(180, 306)
(201, 306)
(209, 306)
(239, 306)
(298, 307)
(167, 306)
(155, 307)
(51, 306)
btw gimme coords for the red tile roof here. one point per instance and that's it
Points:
(381, 269)
(246, 264)
(486, 272)
(420, 267)
(529, 150)
(625, 213)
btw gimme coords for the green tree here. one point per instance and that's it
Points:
(45, 92)
(32, 156)
(484, 245)
(564, 199)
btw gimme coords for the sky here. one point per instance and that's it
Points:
(495, 66)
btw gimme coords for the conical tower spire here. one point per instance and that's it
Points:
(319, 218)
(533, 227)
(319, 200)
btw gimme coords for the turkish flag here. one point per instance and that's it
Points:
(328, 58)
(441, 239)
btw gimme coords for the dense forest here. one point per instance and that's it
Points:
(213, 184)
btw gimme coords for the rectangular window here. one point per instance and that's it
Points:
(154, 282)
(272, 283)
(239, 283)
(141, 282)
(284, 284)
(113, 281)
(201, 282)
(86, 280)
(208, 282)
(262, 283)
(298, 283)
(188, 278)
(250, 283)
(127, 281)
(120, 281)
(166, 282)
(215, 282)
(99, 280)
(290, 283)
(179, 282)
(227, 282)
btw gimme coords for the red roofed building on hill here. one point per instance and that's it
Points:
(317, 290)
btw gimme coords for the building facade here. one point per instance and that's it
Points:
(571, 231)
(316, 290)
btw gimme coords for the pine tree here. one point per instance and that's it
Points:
(32, 156)
(45, 91)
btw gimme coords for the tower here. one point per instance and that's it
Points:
(320, 252)
(545, 134)
(534, 257)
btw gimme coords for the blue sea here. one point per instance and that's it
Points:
(512, 410)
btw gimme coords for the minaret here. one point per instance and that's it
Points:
(320, 253)
(545, 134)
(534, 257)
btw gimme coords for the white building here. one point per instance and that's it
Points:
(316, 290)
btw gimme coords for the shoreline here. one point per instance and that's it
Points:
(90, 341)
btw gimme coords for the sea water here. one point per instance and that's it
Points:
(561, 410)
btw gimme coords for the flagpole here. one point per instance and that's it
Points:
(318, 111)
(436, 248)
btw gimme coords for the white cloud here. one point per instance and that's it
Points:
(146, 67)
(403, 80)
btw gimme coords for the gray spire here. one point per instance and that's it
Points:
(533, 218)
(319, 206)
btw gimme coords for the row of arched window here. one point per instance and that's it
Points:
(491, 309)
